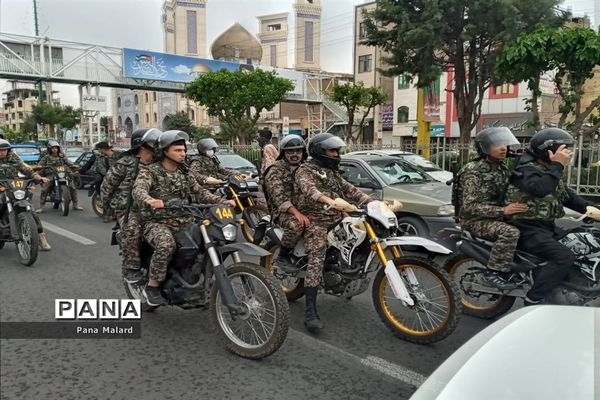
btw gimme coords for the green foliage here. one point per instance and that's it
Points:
(357, 97)
(179, 121)
(426, 37)
(16, 137)
(238, 97)
(48, 114)
(202, 132)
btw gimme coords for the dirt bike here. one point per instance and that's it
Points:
(59, 195)
(246, 302)
(467, 268)
(17, 223)
(246, 195)
(94, 193)
(413, 297)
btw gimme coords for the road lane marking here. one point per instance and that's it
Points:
(68, 234)
(380, 365)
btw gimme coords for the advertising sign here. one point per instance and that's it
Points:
(434, 130)
(431, 101)
(94, 103)
(387, 117)
(286, 125)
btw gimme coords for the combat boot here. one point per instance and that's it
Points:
(76, 206)
(44, 245)
(312, 322)
(153, 296)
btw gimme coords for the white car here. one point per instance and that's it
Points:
(432, 170)
(534, 353)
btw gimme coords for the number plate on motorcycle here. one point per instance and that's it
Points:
(17, 184)
(60, 168)
(223, 213)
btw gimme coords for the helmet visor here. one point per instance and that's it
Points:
(332, 143)
(498, 138)
(151, 136)
(553, 144)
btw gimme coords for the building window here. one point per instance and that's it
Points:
(154, 96)
(20, 103)
(135, 99)
(20, 115)
(308, 40)
(274, 27)
(362, 30)
(192, 115)
(404, 81)
(364, 63)
(273, 55)
(146, 97)
(137, 119)
(192, 32)
(147, 118)
(119, 103)
(120, 121)
(155, 117)
(507, 90)
(402, 115)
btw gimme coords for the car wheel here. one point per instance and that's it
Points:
(413, 226)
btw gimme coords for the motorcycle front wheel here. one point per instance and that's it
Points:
(263, 325)
(28, 243)
(97, 204)
(66, 201)
(465, 270)
(436, 310)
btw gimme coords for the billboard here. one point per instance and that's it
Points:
(94, 103)
(142, 64)
(431, 101)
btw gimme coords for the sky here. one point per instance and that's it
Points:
(136, 24)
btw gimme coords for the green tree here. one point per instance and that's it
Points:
(357, 98)
(202, 132)
(181, 122)
(572, 53)
(238, 97)
(16, 137)
(69, 117)
(426, 37)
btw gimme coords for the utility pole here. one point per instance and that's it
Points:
(37, 33)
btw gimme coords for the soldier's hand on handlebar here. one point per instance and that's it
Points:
(563, 155)
(593, 212)
(515, 208)
(342, 205)
(394, 205)
(155, 203)
(213, 181)
(230, 203)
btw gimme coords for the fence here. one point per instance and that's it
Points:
(583, 175)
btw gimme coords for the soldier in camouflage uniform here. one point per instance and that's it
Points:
(155, 185)
(206, 166)
(10, 166)
(55, 158)
(102, 160)
(279, 190)
(116, 194)
(537, 181)
(481, 186)
(319, 183)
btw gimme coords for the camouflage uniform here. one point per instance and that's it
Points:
(10, 166)
(313, 182)
(55, 161)
(160, 225)
(115, 191)
(279, 186)
(481, 193)
(103, 163)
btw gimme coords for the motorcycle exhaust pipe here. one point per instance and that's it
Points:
(472, 250)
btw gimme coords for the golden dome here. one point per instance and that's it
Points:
(236, 43)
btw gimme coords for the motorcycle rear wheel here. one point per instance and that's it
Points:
(433, 319)
(97, 204)
(263, 326)
(29, 241)
(495, 305)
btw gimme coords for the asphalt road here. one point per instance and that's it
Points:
(179, 355)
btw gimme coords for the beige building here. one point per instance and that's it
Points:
(308, 35)
(18, 103)
(184, 27)
(273, 36)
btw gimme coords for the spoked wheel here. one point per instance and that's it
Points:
(29, 239)
(263, 325)
(97, 204)
(134, 291)
(292, 287)
(66, 202)
(252, 216)
(465, 271)
(436, 311)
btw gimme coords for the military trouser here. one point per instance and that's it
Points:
(131, 239)
(315, 243)
(161, 235)
(292, 230)
(50, 186)
(505, 237)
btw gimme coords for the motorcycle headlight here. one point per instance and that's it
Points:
(19, 194)
(61, 175)
(230, 232)
(446, 210)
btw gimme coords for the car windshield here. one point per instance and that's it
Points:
(26, 150)
(233, 161)
(397, 172)
(74, 152)
(420, 162)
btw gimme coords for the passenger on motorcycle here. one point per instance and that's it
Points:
(55, 158)
(103, 158)
(116, 194)
(10, 166)
(481, 187)
(318, 184)
(537, 181)
(268, 152)
(156, 184)
(280, 193)
(206, 166)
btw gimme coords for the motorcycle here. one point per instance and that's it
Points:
(246, 195)
(94, 193)
(246, 302)
(59, 195)
(467, 268)
(413, 297)
(17, 223)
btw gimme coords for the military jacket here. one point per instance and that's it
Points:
(482, 190)
(203, 166)
(314, 181)
(55, 161)
(546, 208)
(279, 186)
(155, 182)
(103, 163)
(11, 165)
(118, 182)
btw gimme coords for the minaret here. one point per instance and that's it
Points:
(184, 27)
(273, 36)
(308, 34)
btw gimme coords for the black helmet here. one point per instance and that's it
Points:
(292, 142)
(143, 137)
(264, 137)
(206, 144)
(549, 139)
(494, 137)
(322, 142)
(169, 138)
(4, 144)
